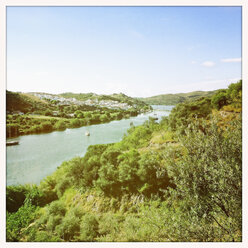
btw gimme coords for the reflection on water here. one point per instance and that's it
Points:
(39, 155)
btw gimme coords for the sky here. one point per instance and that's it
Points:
(139, 51)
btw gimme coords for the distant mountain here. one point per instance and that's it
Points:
(173, 99)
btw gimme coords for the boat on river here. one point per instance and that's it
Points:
(12, 143)
(87, 133)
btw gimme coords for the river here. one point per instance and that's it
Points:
(39, 155)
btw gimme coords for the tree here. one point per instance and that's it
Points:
(207, 172)
(89, 228)
(104, 118)
(74, 123)
(12, 130)
(60, 125)
(219, 99)
(128, 166)
(48, 112)
(46, 126)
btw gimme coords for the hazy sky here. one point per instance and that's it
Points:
(140, 51)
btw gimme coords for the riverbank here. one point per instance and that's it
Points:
(41, 154)
(35, 113)
(18, 125)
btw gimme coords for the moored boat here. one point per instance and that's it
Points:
(12, 143)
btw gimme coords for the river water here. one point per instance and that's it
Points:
(39, 155)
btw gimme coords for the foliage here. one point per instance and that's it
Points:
(27, 114)
(18, 220)
(60, 125)
(208, 176)
(15, 196)
(219, 100)
(173, 99)
(179, 180)
(89, 228)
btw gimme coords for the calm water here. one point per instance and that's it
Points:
(37, 156)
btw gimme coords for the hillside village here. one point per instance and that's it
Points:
(111, 104)
(32, 113)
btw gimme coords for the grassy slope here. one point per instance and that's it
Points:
(173, 99)
(23, 102)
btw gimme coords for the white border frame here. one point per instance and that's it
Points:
(5, 3)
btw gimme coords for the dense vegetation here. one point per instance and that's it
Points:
(27, 114)
(177, 180)
(173, 99)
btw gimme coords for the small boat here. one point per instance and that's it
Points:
(154, 118)
(12, 143)
(87, 133)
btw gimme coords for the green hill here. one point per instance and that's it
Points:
(173, 99)
(23, 102)
(179, 180)
(122, 98)
(30, 113)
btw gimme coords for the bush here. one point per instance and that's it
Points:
(47, 126)
(48, 113)
(18, 220)
(60, 125)
(74, 123)
(219, 99)
(208, 177)
(15, 196)
(62, 185)
(69, 228)
(57, 208)
(89, 228)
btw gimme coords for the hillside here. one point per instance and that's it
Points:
(173, 99)
(32, 113)
(121, 98)
(179, 180)
(23, 102)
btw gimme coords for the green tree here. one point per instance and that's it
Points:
(104, 118)
(69, 228)
(46, 126)
(18, 220)
(128, 167)
(219, 99)
(208, 173)
(89, 228)
(74, 123)
(60, 125)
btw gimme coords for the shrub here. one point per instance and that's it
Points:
(74, 123)
(89, 228)
(15, 196)
(60, 125)
(57, 208)
(47, 126)
(69, 228)
(18, 220)
(208, 177)
(219, 99)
